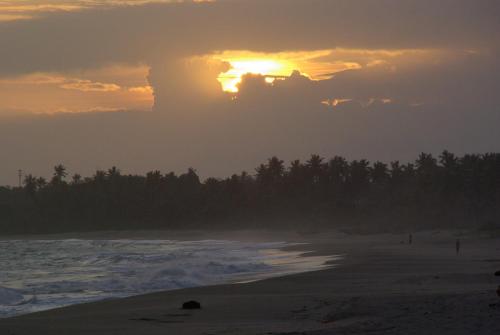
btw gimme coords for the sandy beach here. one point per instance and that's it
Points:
(383, 285)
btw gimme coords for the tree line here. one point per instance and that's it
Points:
(447, 191)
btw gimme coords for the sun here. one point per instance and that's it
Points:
(271, 68)
(316, 65)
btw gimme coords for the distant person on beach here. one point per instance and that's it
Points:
(457, 246)
(410, 239)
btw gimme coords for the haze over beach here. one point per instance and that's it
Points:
(266, 166)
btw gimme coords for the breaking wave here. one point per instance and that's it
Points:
(43, 274)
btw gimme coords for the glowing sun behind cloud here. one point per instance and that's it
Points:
(277, 65)
(270, 68)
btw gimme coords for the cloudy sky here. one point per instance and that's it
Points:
(222, 85)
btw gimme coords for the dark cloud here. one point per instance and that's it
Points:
(91, 38)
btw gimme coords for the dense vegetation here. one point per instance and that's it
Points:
(444, 192)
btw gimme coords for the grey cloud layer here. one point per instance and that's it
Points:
(92, 38)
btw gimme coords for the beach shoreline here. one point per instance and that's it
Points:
(383, 285)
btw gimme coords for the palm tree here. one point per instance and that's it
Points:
(451, 184)
(59, 174)
(30, 184)
(296, 175)
(379, 173)
(76, 179)
(100, 177)
(338, 170)
(41, 183)
(426, 165)
(153, 178)
(272, 172)
(359, 180)
(114, 173)
(316, 168)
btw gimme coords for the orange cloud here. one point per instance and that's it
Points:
(141, 89)
(89, 86)
(111, 88)
(14, 10)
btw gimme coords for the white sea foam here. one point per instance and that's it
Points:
(44, 274)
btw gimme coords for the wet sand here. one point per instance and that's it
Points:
(382, 286)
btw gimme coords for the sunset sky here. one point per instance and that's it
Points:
(222, 85)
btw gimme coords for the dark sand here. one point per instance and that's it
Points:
(382, 286)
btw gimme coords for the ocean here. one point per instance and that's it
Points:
(37, 275)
